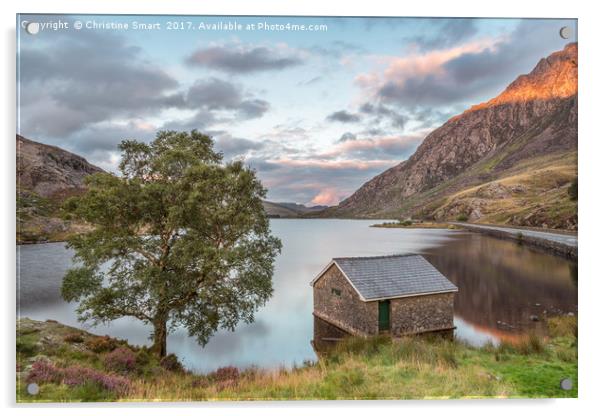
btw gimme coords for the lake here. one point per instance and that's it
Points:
(504, 289)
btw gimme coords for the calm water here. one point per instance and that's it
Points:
(502, 285)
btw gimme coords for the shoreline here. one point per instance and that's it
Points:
(540, 243)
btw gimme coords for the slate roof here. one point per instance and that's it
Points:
(393, 276)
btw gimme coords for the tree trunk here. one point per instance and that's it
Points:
(160, 338)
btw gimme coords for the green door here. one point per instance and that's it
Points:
(384, 307)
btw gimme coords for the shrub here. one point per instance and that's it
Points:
(73, 338)
(170, 363)
(43, 371)
(26, 346)
(406, 223)
(101, 344)
(199, 383)
(121, 359)
(78, 376)
(143, 357)
(225, 374)
(462, 217)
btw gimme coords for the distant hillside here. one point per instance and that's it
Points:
(509, 160)
(46, 175)
(289, 209)
(50, 171)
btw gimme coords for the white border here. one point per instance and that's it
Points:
(590, 152)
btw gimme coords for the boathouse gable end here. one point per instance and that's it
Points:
(337, 302)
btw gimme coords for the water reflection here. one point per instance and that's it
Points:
(505, 288)
(498, 281)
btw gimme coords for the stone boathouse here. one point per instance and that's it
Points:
(365, 296)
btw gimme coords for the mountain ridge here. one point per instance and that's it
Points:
(46, 175)
(535, 116)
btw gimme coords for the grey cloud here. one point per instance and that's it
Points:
(345, 137)
(343, 116)
(201, 120)
(213, 93)
(445, 33)
(253, 108)
(85, 78)
(380, 111)
(210, 97)
(233, 147)
(241, 60)
(374, 131)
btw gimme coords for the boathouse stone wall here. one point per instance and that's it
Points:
(337, 302)
(417, 314)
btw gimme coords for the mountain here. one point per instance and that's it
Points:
(289, 209)
(46, 175)
(508, 160)
(50, 171)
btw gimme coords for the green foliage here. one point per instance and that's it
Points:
(179, 238)
(26, 345)
(171, 363)
(462, 217)
(573, 188)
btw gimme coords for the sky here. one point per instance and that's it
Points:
(316, 113)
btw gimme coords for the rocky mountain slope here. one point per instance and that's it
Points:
(518, 148)
(48, 170)
(46, 175)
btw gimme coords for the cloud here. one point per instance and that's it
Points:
(389, 147)
(336, 49)
(380, 111)
(302, 180)
(346, 137)
(328, 196)
(253, 108)
(213, 93)
(343, 116)
(218, 101)
(236, 147)
(311, 81)
(444, 33)
(462, 73)
(243, 59)
(356, 164)
(216, 94)
(70, 80)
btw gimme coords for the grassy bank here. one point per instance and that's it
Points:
(72, 365)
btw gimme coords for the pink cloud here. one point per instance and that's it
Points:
(327, 196)
(385, 143)
(335, 164)
(418, 65)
